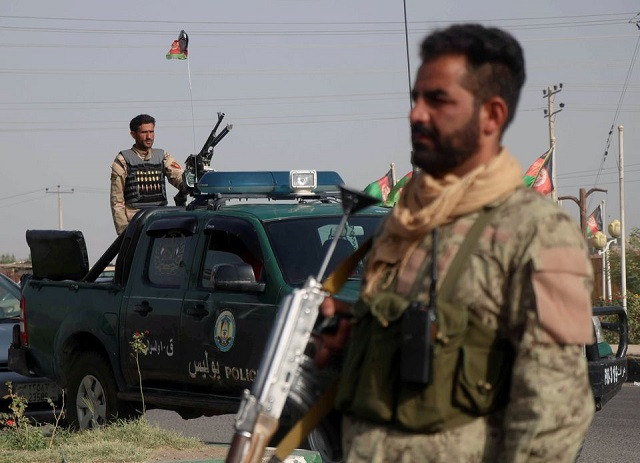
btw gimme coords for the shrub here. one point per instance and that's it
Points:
(633, 318)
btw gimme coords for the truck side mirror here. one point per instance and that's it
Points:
(235, 277)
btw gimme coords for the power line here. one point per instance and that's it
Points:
(253, 100)
(24, 201)
(581, 185)
(21, 194)
(621, 99)
(549, 23)
(306, 98)
(342, 118)
(292, 45)
(181, 21)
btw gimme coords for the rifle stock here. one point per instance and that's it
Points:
(250, 448)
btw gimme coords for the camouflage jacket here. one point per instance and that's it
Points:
(530, 279)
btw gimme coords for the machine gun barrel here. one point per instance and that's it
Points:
(220, 117)
(212, 137)
(221, 135)
(197, 164)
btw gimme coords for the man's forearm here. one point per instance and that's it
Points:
(551, 404)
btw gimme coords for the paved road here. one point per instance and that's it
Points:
(613, 437)
(213, 430)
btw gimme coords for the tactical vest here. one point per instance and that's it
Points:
(471, 365)
(144, 185)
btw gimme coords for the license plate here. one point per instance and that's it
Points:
(37, 392)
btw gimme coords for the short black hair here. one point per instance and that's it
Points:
(137, 121)
(494, 58)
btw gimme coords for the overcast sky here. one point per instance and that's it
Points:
(306, 84)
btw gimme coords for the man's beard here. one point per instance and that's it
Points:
(447, 152)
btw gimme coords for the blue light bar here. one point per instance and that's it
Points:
(272, 184)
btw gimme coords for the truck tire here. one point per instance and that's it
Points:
(326, 437)
(92, 393)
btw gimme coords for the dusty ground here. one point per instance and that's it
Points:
(210, 452)
(215, 453)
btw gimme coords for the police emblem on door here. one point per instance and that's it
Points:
(225, 331)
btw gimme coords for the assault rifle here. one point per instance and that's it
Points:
(198, 164)
(259, 413)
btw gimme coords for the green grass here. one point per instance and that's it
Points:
(120, 442)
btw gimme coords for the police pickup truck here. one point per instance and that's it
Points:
(201, 285)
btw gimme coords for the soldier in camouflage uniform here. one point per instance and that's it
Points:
(511, 286)
(137, 175)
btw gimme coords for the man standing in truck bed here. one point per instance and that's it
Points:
(137, 174)
(466, 340)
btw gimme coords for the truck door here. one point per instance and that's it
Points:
(225, 325)
(154, 303)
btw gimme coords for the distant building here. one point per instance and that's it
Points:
(15, 270)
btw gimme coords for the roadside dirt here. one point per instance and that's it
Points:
(210, 452)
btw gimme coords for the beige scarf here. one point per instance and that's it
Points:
(427, 202)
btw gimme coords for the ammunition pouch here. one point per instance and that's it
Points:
(144, 184)
(471, 372)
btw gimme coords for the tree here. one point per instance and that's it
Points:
(632, 261)
(7, 258)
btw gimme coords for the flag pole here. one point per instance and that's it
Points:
(193, 119)
(393, 174)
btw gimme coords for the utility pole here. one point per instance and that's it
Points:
(582, 204)
(623, 255)
(606, 270)
(551, 114)
(59, 192)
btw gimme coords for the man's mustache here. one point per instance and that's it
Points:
(423, 130)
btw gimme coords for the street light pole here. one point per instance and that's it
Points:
(582, 205)
(606, 270)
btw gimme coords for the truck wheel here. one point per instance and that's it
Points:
(92, 393)
(326, 437)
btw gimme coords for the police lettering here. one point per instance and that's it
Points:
(240, 374)
(612, 373)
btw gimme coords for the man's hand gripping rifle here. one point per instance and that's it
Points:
(260, 410)
(198, 164)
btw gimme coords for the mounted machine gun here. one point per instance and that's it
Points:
(197, 164)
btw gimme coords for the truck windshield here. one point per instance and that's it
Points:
(9, 299)
(300, 244)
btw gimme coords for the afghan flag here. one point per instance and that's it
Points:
(594, 222)
(380, 188)
(179, 47)
(394, 194)
(539, 175)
